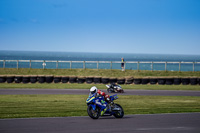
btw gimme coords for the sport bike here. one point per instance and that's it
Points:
(97, 107)
(114, 88)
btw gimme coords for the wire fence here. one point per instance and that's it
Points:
(130, 65)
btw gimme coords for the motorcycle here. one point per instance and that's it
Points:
(97, 107)
(114, 88)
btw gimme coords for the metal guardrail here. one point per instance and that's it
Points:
(97, 63)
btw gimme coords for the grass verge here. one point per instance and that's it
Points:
(94, 72)
(26, 106)
(100, 86)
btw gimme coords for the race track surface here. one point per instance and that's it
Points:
(86, 92)
(157, 123)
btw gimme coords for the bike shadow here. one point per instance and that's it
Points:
(112, 117)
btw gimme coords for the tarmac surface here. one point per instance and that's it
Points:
(156, 123)
(150, 123)
(86, 92)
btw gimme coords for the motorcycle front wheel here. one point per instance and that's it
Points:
(120, 112)
(94, 114)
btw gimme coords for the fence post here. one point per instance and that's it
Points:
(111, 65)
(83, 64)
(4, 63)
(165, 66)
(193, 66)
(179, 66)
(97, 65)
(138, 66)
(57, 64)
(17, 64)
(43, 64)
(152, 66)
(70, 64)
(30, 64)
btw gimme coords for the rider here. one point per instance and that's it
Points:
(101, 93)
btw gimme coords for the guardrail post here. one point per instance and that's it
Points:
(17, 64)
(97, 65)
(124, 66)
(83, 64)
(138, 65)
(30, 64)
(165, 66)
(44, 64)
(152, 66)
(4, 63)
(111, 65)
(70, 64)
(193, 66)
(179, 66)
(57, 64)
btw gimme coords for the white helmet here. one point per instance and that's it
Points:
(93, 90)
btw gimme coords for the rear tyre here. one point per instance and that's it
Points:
(109, 91)
(120, 113)
(94, 114)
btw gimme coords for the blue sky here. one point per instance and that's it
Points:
(111, 26)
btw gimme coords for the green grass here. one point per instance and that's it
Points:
(100, 86)
(94, 72)
(26, 106)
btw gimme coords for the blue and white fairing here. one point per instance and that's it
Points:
(94, 101)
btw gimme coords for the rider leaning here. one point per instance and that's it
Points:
(101, 93)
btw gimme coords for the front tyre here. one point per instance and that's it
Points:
(94, 114)
(120, 112)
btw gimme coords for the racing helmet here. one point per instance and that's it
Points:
(93, 90)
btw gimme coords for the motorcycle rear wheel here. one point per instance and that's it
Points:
(120, 113)
(109, 90)
(94, 114)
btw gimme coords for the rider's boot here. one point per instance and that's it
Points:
(103, 111)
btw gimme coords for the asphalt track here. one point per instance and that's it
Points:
(157, 123)
(86, 92)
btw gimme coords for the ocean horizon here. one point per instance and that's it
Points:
(89, 56)
(85, 56)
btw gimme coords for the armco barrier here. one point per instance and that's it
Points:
(54, 64)
(99, 80)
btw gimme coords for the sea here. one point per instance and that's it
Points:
(10, 56)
